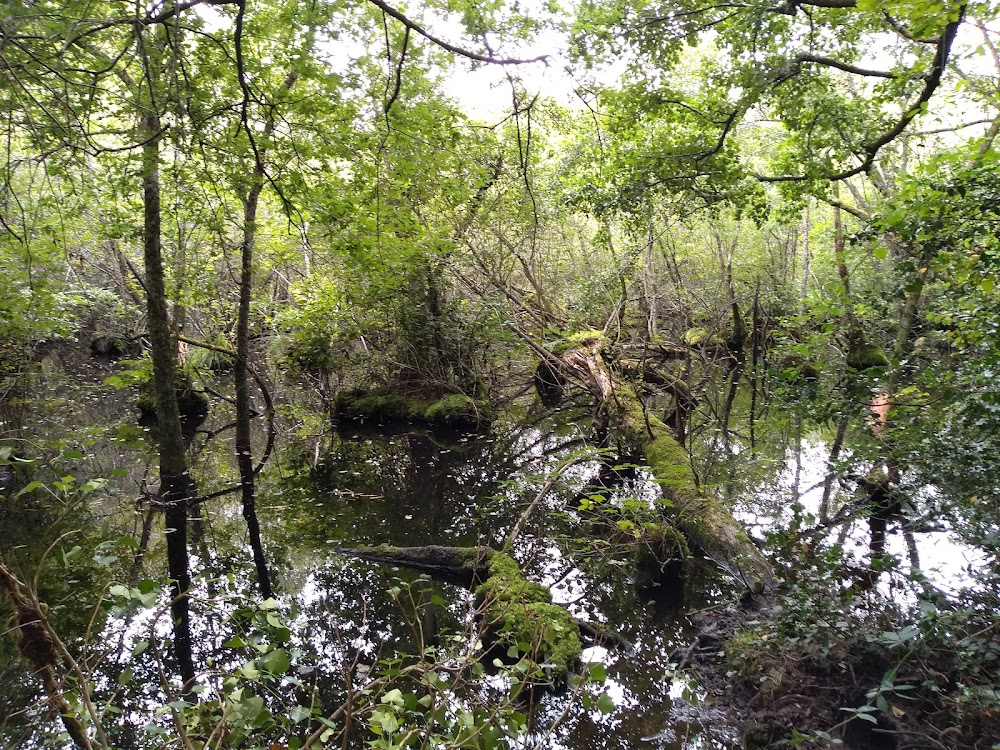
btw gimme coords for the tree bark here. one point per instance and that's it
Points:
(244, 451)
(176, 484)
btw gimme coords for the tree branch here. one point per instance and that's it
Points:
(852, 210)
(870, 150)
(831, 63)
(413, 26)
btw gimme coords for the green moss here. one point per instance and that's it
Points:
(663, 544)
(864, 355)
(521, 612)
(695, 336)
(379, 406)
(504, 565)
(665, 456)
(506, 584)
(454, 410)
(458, 410)
(551, 636)
(582, 338)
(702, 337)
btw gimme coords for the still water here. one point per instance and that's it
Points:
(327, 490)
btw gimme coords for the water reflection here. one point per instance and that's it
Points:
(933, 553)
(409, 487)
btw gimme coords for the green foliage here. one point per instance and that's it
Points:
(319, 330)
(685, 98)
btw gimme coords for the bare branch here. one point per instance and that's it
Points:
(853, 69)
(413, 26)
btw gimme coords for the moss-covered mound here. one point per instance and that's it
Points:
(453, 410)
(521, 613)
(863, 355)
(192, 404)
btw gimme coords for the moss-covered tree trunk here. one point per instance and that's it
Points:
(702, 518)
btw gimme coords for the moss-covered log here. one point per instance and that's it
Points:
(707, 524)
(516, 612)
(453, 410)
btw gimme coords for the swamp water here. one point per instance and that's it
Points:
(360, 487)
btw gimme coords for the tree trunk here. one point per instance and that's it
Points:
(176, 484)
(804, 286)
(702, 518)
(244, 451)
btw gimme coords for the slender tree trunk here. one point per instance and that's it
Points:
(244, 452)
(907, 319)
(176, 484)
(649, 283)
(804, 287)
(838, 251)
(756, 343)
(835, 449)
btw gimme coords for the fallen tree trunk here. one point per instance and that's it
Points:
(461, 566)
(707, 524)
(514, 610)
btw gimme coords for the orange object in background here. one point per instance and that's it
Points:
(879, 417)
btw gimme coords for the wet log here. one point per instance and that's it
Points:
(515, 611)
(461, 566)
(702, 518)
